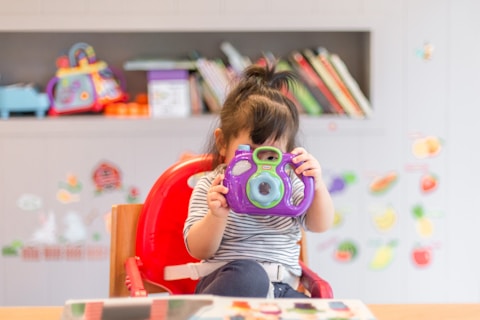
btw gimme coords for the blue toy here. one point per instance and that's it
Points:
(22, 98)
(263, 186)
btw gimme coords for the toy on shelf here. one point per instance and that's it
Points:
(83, 84)
(22, 98)
(259, 183)
(137, 108)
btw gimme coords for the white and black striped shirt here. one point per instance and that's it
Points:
(258, 237)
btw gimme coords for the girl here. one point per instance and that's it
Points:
(251, 255)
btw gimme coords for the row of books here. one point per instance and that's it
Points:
(324, 86)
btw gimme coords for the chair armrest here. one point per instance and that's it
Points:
(133, 279)
(317, 286)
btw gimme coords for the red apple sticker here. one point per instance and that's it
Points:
(421, 256)
(428, 183)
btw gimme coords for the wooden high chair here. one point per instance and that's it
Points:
(147, 238)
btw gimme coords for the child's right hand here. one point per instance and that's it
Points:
(217, 203)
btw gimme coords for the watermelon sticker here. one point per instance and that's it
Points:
(346, 251)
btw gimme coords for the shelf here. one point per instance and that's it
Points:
(98, 125)
(30, 56)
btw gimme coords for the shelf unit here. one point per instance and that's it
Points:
(30, 56)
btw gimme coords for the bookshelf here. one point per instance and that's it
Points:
(30, 56)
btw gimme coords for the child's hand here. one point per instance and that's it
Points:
(217, 203)
(310, 166)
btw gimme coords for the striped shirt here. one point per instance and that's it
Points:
(259, 237)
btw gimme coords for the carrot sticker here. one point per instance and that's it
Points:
(383, 183)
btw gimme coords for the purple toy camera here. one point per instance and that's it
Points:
(263, 186)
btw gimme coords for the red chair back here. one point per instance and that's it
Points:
(159, 241)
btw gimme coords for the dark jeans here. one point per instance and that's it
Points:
(243, 278)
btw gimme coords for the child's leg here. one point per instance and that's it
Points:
(240, 278)
(283, 290)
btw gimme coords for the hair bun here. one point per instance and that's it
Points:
(268, 76)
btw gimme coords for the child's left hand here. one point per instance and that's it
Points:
(310, 166)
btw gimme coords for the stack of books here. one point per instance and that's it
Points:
(200, 85)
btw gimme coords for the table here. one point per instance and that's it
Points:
(381, 311)
(426, 311)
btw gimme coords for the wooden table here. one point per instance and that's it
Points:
(426, 311)
(381, 311)
(30, 313)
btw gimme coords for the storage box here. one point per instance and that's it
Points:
(169, 93)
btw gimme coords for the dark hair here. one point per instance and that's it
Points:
(257, 103)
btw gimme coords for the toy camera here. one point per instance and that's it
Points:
(263, 186)
(82, 83)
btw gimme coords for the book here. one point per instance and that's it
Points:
(347, 104)
(315, 83)
(282, 65)
(216, 77)
(180, 307)
(324, 57)
(351, 83)
(237, 61)
(211, 101)
(169, 93)
(148, 64)
(300, 92)
(196, 98)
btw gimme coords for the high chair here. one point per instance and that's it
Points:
(145, 239)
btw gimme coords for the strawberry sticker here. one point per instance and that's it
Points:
(428, 183)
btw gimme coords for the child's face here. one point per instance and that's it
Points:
(228, 151)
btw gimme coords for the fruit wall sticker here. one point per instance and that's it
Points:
(346, 251)
(338, 218)
(106, 177)
(383, 255)
(426, 147)
(425, 52)
(383, 183)
(69, 189)
(428, 183)
(423, 224)
(384, 218)
(421, 255)
(339, 182)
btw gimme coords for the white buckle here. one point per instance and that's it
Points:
(192, 267)
(280, 272)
